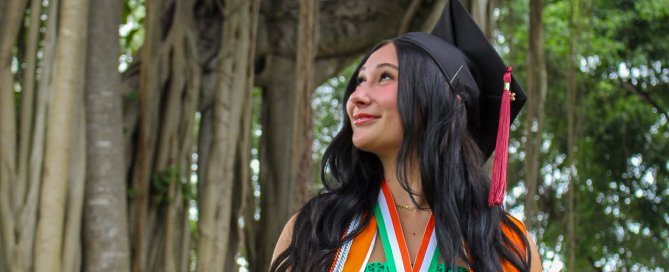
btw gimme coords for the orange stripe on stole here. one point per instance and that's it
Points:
(357, 255)
(516, 240)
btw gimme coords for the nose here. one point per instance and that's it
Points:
(359, 97)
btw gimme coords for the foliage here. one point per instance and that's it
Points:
(131, 31)
(327, 111)
(623, 138)
(256, 132)
(161, 182)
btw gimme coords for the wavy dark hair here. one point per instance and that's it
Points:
(454, 182)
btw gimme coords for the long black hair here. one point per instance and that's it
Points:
(435, 135)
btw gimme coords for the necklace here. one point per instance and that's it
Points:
(392, 237)
(409, 207)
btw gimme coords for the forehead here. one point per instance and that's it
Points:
(385, 54)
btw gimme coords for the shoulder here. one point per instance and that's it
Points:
(512, 228)
(316, 205)
(285, 238)
(516, 222)
(531, 247)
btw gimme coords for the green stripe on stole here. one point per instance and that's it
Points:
(390, 261)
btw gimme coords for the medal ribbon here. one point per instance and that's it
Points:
(394, 245)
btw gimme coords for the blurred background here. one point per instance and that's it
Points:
(180, 135)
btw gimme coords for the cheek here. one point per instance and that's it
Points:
(349, 108)
(388, 98)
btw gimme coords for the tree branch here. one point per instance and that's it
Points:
(346, 27)
(432, 19)
(644, 95)
(408, 15)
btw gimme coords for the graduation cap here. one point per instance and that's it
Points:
(492, 96)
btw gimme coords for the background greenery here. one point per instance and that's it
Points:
(620, 167)
(622, 149)
(622, 160)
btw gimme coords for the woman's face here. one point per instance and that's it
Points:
(372, 107)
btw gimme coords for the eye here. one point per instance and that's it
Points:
(385, 76)
(360, 80)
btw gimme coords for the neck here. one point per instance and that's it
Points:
(401, 196)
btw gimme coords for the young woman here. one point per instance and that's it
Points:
(406, 189)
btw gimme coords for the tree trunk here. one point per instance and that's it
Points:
(433, 16)
(574, 26)
(307, 42)
(511, 24)
(18, 184)
(536, 93)
(145, 140)
(169, 95)
(243, 188)
(215, 198)
(482, 13)
(72, 251)
(71, 48)
(27, 101)
(11, 25)
(275, 180)
(105, 230)
(242, 176)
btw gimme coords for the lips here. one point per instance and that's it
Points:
(361, 118)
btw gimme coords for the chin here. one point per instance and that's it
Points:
(364, 144)
(377, 145)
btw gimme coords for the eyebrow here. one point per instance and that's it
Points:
(382, 65)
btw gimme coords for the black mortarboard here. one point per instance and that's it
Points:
(471, 64)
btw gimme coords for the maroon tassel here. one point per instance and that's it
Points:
(498, 186)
